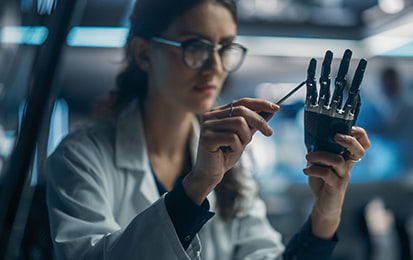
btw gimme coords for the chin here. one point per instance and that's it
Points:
(203, 106)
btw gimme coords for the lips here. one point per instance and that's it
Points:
(205, 90)
(205, 87)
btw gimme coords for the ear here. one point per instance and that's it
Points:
(140, 49)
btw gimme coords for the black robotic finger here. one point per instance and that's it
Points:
(311, 84)
(325, 80)
(356, 110)
(353, 103)
(341, 81)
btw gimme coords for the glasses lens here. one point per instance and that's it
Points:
(196, 54)
(232, 57)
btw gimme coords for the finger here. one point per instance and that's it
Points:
(327, 174)
(361, 135)
(213, 140)
(352, 145)
(353, 99)
(267, 109)
(327, 160)
(357, 79)
(311, 82)
(257, 105)
(344, 65)
(325, 79)
(340, 81)
(219, 108)
(252, 118)
(237, 125)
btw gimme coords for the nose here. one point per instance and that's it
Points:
(214, 64)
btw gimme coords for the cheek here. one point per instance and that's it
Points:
(168, 67)
(175, 76)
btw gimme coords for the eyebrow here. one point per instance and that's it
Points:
(203, 36)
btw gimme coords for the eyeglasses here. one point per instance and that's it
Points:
(198, 53)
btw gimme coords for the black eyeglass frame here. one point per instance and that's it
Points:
(212, 47)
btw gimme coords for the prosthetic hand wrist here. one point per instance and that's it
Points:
(323, 118)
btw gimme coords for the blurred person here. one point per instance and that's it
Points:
(380, 222)
(387, 116)
(393, 105)
(384, 105)
(396, 112)
(141, 184)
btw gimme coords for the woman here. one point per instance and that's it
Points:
(140, 186)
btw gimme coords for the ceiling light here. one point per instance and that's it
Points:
(35, 35)
(391, 6)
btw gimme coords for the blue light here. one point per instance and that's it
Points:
(104, 37)
(26, 5)
(46, 6)
(403, 51)
(30, 35)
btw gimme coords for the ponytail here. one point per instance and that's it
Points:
(132, 83)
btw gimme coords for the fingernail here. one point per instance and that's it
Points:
(275, 107)
(269, 131)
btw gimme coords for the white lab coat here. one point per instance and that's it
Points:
(104, 204)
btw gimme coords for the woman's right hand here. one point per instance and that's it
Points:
(222, 128)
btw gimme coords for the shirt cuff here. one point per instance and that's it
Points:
(187, 217)
(304, 245)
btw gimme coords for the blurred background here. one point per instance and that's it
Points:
(282, 36)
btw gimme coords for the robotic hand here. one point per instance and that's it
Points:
(324, 119)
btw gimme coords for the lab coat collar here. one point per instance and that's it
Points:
(131, 150)
(130, 146)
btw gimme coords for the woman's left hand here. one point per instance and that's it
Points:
(329, 183)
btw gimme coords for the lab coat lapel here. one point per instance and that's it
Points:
(131, 151)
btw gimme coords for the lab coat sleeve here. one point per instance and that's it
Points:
(256, 239)
(82, 223)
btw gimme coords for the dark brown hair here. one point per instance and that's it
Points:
(151, 18)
